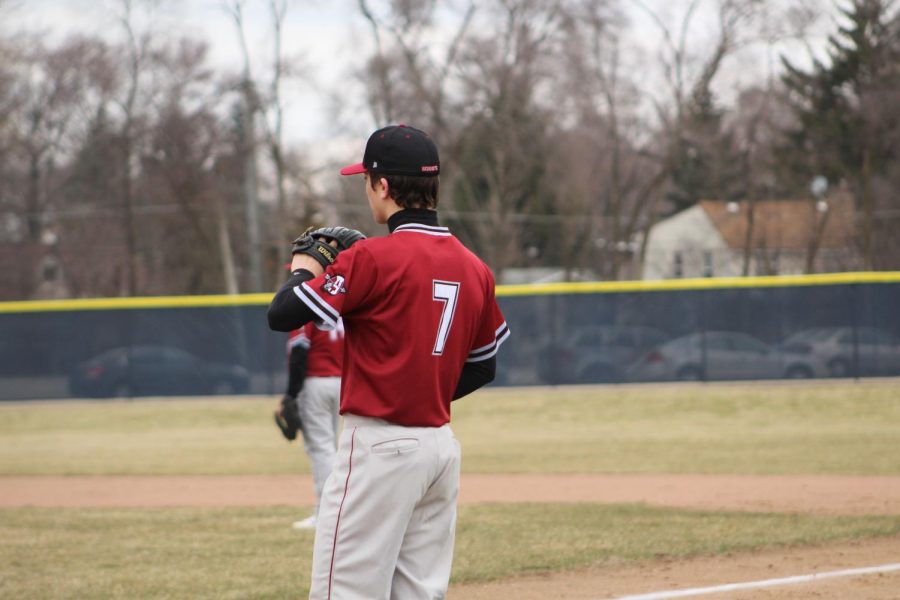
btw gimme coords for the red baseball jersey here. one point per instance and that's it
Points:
(325, 348)
(416, 305)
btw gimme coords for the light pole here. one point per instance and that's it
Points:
(818, 187)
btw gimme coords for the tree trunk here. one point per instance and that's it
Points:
(818, 228)
(227, 256)
(748, 238)
(868, 211)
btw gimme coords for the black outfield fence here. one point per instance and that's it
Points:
(841, 325)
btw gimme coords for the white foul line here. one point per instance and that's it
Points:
(728, 587)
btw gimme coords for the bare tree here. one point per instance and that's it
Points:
(688, 74)
(412, 74)
(137, 47)
(409, 78)
(250, 109)
(184, 141)
(264, 105)
(754, 126)
(278, 11)
(11, 101)
(43, 120)
(620, 183)
(502, 152)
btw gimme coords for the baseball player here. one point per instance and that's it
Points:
(311, 401)
(422, 329)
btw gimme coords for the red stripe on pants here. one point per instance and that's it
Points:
(340, 510)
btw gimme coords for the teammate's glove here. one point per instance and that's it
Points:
(287, 417)
(315, 243)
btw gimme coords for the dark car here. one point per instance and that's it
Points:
(596, 354)
(154, 371)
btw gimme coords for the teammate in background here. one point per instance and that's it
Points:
(423, 328)
(313, 395)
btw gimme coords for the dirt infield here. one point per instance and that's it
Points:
(788, 494)
(767, 493)
(615, 581)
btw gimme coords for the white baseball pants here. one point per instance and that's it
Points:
(318, 406)
(387, 517)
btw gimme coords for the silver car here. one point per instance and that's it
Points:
(873, 351)
(722, 355)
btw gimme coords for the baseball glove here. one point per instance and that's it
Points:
(315, 243)
(287, 417)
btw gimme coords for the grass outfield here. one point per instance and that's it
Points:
(249, 553)
(814, 428)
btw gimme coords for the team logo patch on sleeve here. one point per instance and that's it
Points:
(334, 285)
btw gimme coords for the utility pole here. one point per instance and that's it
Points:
(251, 197)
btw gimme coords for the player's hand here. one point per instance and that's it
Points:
(323, 244)
(305, 261)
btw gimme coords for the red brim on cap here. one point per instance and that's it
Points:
(353, 169)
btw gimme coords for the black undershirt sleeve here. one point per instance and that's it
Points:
(474, 375)
(296, 370)
(286, 311)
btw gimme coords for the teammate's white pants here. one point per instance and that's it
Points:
(318, 406)
(387, 518)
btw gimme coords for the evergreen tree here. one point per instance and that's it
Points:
(847, 113)
(705, 159)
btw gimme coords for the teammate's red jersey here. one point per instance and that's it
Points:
(325, 349)
(424, 272)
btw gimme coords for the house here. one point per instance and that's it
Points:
(535, 275)
(771, 237)
(31, 271)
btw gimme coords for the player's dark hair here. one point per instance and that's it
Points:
(410, 191)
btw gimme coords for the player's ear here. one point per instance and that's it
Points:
(385, 191)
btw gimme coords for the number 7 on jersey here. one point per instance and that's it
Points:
(445, 292)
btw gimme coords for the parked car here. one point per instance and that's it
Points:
(721, 355)
(596, 354)
(154, 371)
(877, 351)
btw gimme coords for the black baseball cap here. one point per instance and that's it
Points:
(398, 150)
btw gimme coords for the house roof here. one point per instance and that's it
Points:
(784, 224)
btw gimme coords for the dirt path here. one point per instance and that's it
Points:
(792, 494)
(615, 581)
(805, 494)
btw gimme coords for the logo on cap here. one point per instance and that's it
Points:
(398, 150)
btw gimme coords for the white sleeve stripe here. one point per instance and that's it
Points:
(483, 348)
(486, 352)
(314, 304)
(483, 357)
(315, 298)
(501, 332)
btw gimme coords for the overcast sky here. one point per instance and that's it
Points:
(328, 35)
(316, 32)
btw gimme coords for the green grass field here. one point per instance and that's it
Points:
(250, 553)
(816, 428)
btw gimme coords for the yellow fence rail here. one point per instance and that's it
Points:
(601, 287)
